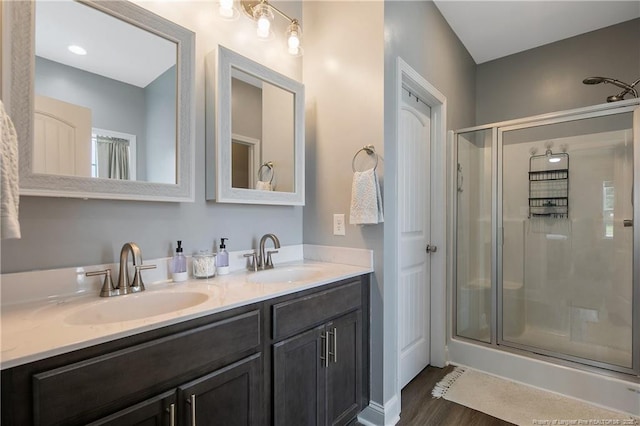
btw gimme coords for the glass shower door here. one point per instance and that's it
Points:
(565, 280)
(474, 290)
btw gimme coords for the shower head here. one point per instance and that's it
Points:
(628, 88)
(593, 80)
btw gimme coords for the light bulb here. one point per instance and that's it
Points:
(263, 15)
(294, 44)
(293, 40)
(264, 25)
(225, 8)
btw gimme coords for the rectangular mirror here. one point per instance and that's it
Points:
(260, 134)
(107, 113)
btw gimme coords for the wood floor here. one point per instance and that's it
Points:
(420, 409)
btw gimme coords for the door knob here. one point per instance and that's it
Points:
(431, 249)
(627, 223)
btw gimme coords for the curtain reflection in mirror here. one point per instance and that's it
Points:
(112, 158)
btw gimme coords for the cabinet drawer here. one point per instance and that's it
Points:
(70, 393)
(300, 314)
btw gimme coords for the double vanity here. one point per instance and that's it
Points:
(285, 346)
(282, 346)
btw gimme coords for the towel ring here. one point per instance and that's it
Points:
(370, 150)
(268, 165)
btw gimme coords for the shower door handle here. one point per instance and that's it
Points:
(431, 249)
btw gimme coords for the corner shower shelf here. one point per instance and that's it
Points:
(549, 187)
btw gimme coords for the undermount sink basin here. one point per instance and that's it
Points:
(135, 306)
(285, 275)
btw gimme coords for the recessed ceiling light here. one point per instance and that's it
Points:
(77, 50)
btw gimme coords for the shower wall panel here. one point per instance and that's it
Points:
(567, 283)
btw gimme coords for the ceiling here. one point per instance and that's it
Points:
(115, 49)
(493, 29)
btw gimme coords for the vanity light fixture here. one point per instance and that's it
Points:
(263, 13)
(78, 50)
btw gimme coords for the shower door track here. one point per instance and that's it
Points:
(496, 329)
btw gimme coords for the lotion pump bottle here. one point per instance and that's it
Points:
(179, 265)
(222, 259)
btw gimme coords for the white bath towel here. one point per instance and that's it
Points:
(366, 201)
(9, 195)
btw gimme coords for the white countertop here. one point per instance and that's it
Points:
(37, 330)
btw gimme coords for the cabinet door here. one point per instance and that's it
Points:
(344, 375)
(156, 411)
(230, 396)
(299, 379)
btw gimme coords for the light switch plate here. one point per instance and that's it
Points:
(338, 224)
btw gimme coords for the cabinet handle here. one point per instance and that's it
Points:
(172, 414)
(192, 402)
(324, 355)
(334, 334)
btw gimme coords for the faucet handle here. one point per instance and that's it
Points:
(269, 263)
(108, 289)
(253, 265)
(137, 284)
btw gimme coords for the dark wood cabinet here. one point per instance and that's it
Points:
(299, 379)
(298, 359)
(156, 411)
(318, 374)
(230, 396)
(344, 372)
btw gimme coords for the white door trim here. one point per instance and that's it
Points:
(408, 77)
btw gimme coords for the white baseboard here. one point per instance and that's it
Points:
(378, 415)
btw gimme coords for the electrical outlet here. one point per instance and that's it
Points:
(338, 224)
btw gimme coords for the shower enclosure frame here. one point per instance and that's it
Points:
(496, 327)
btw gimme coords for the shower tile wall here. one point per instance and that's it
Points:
(568, 282)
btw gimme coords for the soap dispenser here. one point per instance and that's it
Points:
(222, 259)
(179, 265)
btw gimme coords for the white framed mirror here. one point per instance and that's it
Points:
(259, 134)
(101, 95)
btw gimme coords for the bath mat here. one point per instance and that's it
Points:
(520, 404)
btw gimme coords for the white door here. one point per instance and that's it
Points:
(62, 138)
(414, 268)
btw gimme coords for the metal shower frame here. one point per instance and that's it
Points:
(496, 341)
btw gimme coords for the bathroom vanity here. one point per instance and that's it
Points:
(297, 356)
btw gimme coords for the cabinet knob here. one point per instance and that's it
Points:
(431, 249)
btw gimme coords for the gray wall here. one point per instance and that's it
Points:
(343, 74)
(349, 68)
(160, 149)
(549, 78)
(417, 32)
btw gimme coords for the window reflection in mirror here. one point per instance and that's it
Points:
(262, 124)
(108, 110)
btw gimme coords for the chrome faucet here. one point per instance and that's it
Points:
(123, 279)
(125, 286)
(265, 262)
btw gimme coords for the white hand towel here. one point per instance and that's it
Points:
(9, 193)
(366, 201)
(263, 186)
